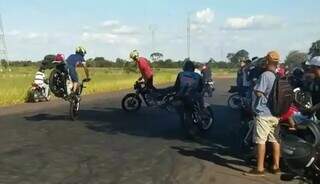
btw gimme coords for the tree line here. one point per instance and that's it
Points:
(294, 58)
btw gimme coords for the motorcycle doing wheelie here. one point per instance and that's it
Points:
(151, 97)
(61, 86)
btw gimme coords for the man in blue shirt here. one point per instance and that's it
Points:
(73, 61)
(266, 127)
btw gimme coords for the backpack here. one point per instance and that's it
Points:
(189, 82)
(281, 96)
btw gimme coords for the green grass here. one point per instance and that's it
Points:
(15, 84)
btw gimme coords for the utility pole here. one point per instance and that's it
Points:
(152, 28)
(3, 46)
(188, 35)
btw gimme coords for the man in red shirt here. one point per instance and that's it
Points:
(144, 67)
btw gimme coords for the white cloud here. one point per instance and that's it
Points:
(13, 32)
(110, 23)
(109, 38)
(205, 16)
(202, 19)
(253, 22)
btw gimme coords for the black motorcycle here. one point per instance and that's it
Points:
(151, 97)
(301, 148)
(61, 86)
(195, 119)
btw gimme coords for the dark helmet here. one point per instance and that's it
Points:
(188, 66)
(298, 72)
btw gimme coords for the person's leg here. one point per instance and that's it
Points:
(276, 155)
(149, 83)
(260, 135)
(261, 152)
(274, 138)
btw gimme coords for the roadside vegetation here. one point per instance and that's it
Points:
(16, 83)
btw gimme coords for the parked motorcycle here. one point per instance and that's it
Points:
(236, 101)
(38, 94)
(151, 97)
(301, 148)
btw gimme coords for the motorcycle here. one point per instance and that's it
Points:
(195, 119)
(61, 86)
(37, 94)
(236, 101)
(161, 98)
(208, 88)
(301, 148)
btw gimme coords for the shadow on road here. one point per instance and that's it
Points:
(221, 142)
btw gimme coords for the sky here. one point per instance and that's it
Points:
(112, 28)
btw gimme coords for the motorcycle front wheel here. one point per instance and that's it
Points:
(131, 103)
(234, 102)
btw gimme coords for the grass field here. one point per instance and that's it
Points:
(15, 84)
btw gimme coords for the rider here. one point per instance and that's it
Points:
(40, 81)
(189, 83)
(72, 62)
(314, 85)
(206, 72)
(144, 67)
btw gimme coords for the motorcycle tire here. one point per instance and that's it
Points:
(232, 102)
(131, 102)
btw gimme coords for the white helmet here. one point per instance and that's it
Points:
(134, 54)
(81, 50)
(315, 61)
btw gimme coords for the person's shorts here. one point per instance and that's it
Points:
(73, 74)
(266, 129)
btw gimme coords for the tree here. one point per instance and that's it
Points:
(156, 56)
(295, 59)
(4, 63)
(240, 55)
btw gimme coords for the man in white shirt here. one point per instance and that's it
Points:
(40, 81)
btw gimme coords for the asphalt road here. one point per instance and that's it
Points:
(106, 145)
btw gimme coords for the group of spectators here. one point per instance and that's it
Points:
(255, 81)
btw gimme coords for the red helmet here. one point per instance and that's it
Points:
(59, 58)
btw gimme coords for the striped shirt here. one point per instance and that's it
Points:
(39, 79)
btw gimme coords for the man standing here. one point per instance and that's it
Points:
(144, 67)
(242, 77)
(266, 127)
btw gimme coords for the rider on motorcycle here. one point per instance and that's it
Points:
(72, 62)
(313, 86)
(189, 84)
(40, 81)
(144, 67)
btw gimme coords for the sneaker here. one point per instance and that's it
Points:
(254, 172)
